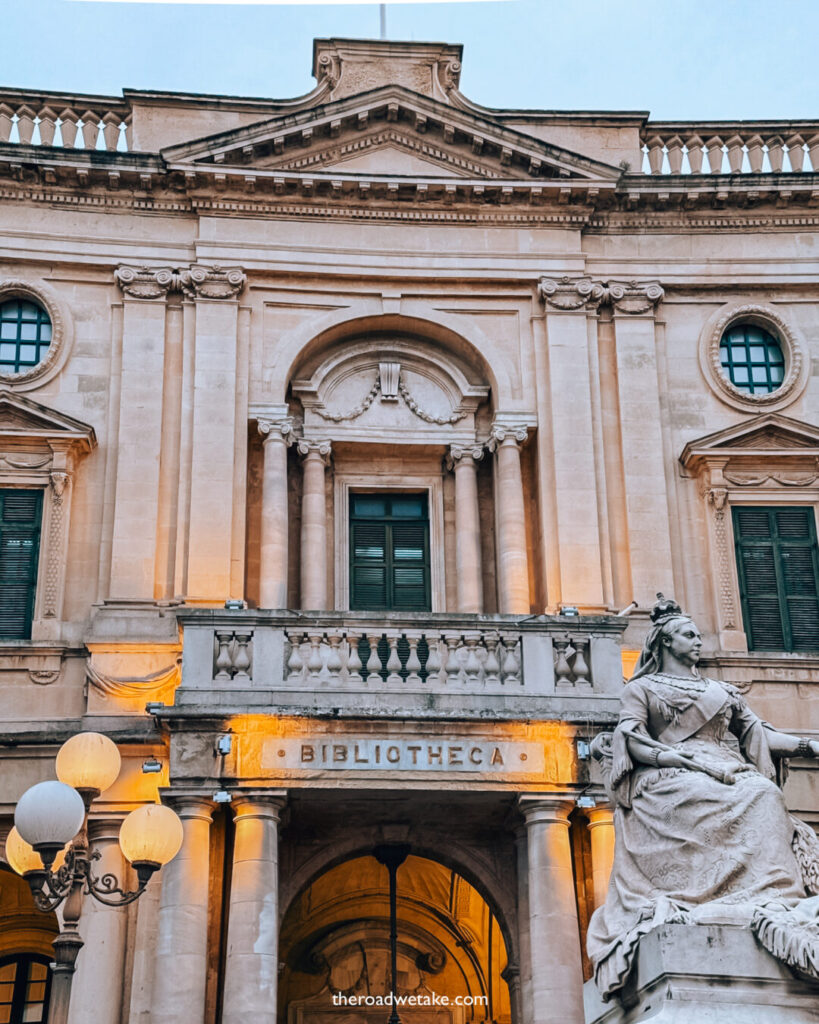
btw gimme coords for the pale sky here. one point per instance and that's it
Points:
(678, 59)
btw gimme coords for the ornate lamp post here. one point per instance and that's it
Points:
(49, 847)
(392, 857)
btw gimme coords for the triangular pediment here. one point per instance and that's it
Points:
(766, 437)
(389, 131)
(24, 419)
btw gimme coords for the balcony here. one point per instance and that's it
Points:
(392, 664)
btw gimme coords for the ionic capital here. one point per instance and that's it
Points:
(276, 430)
(316, 449)
(214, 282)
(196, 282)
(464, 455)
(634, 297)
(148, 282)
(508, 434)
(570, 293)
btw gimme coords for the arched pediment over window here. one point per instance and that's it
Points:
(390, 387)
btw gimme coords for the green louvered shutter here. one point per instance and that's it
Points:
(778, 567)
(389, 552)
(20, 514)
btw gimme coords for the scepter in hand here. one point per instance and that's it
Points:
(683, 760)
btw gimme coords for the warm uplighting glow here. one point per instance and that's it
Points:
(49, 813)
(88, 760)
(22, 857)
(151, 833)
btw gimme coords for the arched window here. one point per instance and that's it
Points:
(752, 359)
(25, 987)
(25, 335)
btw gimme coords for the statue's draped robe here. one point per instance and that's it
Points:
(683, 838)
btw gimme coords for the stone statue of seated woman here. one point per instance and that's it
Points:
(703, 834)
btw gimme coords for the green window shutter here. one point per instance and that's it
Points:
(778, 568)
(20, 514)
(389, 553)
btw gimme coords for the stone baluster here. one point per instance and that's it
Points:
(295, 664)
(110, 130)
(25, 125)
(374, 661)
(242, 659)
(314, 524)
(776, 153)
(557, 973)
(48, 125)
(491, 666)
(453, 664)
(469, 577)
(278, 435)
(563, 674)
(251, 959)
(714, 153)
(334, 664)
(813, 152)
(510, 512)
(693, 145)
(90, 129)
(735, 153)
(580, 665)
(413, 665)
(393, 662)
(510, 668)
(601, 834)
(314, 659)
(796, 152)
(472, 666)
(674, 146)
(180, 978)
(434, 658)
(224, 660)
(655, 155)
(6, 122)
(756, 154)
(353, 659)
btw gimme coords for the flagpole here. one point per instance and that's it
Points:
(383, 13)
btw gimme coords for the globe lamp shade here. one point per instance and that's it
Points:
(88, 761)
(48, 816)
(151, 834)
(22, 857)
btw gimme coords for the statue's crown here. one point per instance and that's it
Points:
(664, 608)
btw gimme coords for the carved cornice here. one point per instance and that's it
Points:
(568, 294)
(197, 282)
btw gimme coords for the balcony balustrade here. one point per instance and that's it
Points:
(66, 122)
(355, 660)
(722, 147)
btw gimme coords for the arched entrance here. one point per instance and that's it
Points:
(335, 946)
(26, 935)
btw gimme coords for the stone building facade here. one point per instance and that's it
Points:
(344, 444)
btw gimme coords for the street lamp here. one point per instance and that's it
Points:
(49, 847)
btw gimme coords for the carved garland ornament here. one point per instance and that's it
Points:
(388, 382)
(155, 686)
(771, 320)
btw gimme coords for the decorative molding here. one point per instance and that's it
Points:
(356, 411)
(31, 462)
(772, 320)
(61, 335)
(56, 544)
(197, 282)
(502, 432)
(389, 376)
(784, 478)
(156, 686)
(43, 676)
(718, 501)
(307, 447)
(568, 294)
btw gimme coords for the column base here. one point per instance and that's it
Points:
(706, 974)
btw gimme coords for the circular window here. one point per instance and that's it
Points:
(752, 359)
(25, 335)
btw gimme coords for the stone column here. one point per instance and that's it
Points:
(251, 966)
(180, 976)
(274, 554)
(510, 519)
(96, 991)
(467, 527)
(557, 972)
(601, 833)
(314, 525)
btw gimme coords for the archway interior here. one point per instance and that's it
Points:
(335, 945)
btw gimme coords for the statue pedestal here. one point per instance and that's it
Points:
(706, 974)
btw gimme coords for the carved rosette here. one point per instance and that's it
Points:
(568, 294)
